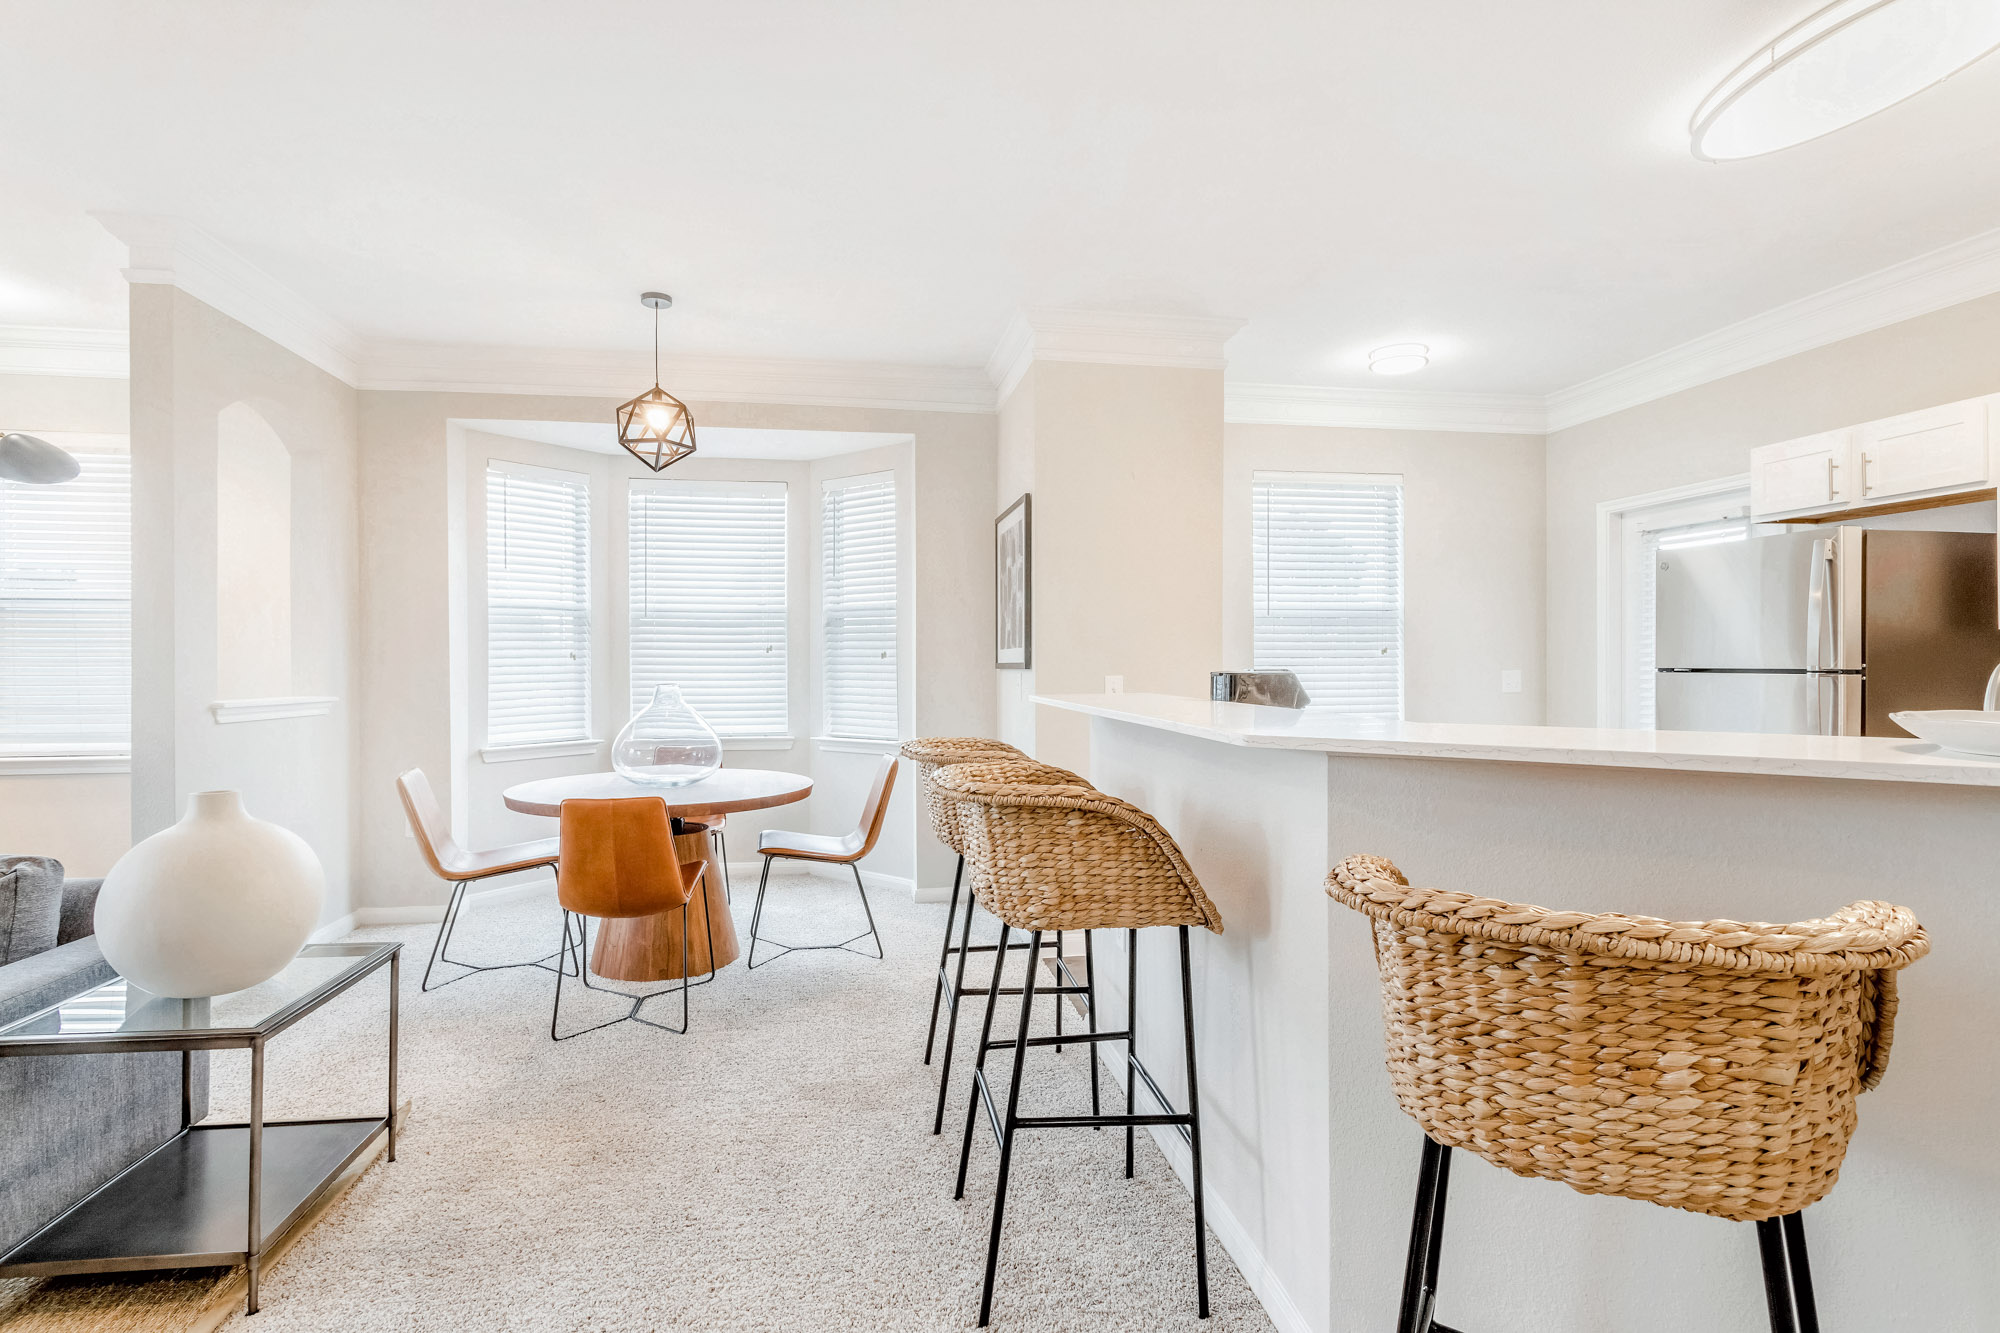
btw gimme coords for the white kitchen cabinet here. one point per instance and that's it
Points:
(1800, 477)
(1935, 451)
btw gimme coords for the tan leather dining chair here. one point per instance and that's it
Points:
(827, 849)
(618, 860)
(452, 863)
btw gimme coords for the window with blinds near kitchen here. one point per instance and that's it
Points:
(1327, 586)
(858, 606)
(66, 607)
(537, 605)
(708, 604)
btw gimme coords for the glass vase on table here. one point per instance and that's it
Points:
(666, 744)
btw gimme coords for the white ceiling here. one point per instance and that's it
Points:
(791, 446)
(1509, 183)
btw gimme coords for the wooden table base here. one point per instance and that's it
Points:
(648, 948)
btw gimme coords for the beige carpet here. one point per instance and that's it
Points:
(772, 1170)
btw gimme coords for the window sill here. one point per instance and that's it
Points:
(267, 710)
(38, 765)
(855, 745)
(508, 754)
(759, 742)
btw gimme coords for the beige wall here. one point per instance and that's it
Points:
(189, 363)
(1707, 432)
(417, 623)
(1126, 468)
(1472, 556)
(82, 819)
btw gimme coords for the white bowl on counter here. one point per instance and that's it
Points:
(1966, 730)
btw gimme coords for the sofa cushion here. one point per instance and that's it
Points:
(79, 910)
(30, 905)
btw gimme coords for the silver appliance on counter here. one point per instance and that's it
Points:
(1824, 632)
(1280, 689)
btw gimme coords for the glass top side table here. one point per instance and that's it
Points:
(213, 1194)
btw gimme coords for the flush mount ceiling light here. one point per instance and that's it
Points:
(656, 428)
(1399, 358)
(1843, 64)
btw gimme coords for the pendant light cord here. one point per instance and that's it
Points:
(656, 347)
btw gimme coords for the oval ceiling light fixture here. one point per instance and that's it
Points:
(1843, 64)
(656, 428)
(1399, 358)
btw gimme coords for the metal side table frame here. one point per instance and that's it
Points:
(172, 1208)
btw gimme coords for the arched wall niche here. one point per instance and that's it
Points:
(253, 557)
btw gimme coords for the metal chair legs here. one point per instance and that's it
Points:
(576, 953)
(757, 917)
(715, 835)
(1781, 1243)
(1005, 1125)
(951, 989)
(441, 947)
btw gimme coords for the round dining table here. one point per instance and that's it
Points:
(648, 948)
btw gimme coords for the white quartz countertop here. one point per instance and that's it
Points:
(1879, 758)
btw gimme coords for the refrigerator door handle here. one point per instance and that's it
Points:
(1819, 626)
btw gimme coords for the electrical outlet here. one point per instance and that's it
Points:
(1510, 682)
(1114, 684)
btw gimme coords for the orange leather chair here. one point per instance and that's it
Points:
(618, 860)
(458, 867)
(827, 849)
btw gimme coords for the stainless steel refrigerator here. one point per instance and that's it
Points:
(1824, 632)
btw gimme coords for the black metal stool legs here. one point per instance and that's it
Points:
(944, 957)
(952, 988)
(1007, 1124)
(1781, 1244)
(1426, 1241)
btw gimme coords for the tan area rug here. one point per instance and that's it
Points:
(174, 1300)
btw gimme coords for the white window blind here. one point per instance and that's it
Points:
(707, 598)
(537, 605)
(66, 608)
(1327, 586)
(858, 592)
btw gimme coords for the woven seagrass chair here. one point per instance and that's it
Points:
(952, 986)
(1705, 1065)
(1066, 857)
(928, 753)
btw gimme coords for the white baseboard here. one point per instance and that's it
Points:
(940, 893)
(422, 913)
(1235, 1238)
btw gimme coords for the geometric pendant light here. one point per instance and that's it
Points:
(656, 428)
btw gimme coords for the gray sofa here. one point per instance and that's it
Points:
(68, 1123)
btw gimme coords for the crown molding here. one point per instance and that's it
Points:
(446, 368)
(1962, 271)
(168, 252)
(1383, 409)
(1106, 337)
(85, 353)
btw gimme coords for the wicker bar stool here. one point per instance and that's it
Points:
(952, 985)
(928, 753)
(1711, 1065)
(1055, 858)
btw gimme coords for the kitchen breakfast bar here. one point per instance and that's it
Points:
(1310, 1164)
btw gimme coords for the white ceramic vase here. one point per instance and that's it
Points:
(217, 903)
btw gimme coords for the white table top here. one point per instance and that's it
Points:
(723, 791)
(1880, 758)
